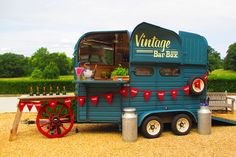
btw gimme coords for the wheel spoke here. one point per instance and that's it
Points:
(65, 121)
(63, 127)
(65, 115)
(49, 114)
(44, 124)
(59, 113)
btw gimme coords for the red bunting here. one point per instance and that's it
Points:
(205, 77)
(174, 93)
(94, 100)
(53, 104)
(161, 95)
(147, 94)
(124, 91)
(29, 105)
(38, 106)
(134, 92)
(186, 90)
(68, 102)
(108, 98)
(197, 84)
(21, 106)
(81, 100)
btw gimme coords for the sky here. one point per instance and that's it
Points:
(27, 25)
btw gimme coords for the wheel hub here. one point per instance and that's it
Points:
(56, 120)
(152, 127)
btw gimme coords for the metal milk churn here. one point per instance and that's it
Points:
(204, 119)
(129, 124)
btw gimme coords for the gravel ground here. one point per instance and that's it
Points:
(105, 140)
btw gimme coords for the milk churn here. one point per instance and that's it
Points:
(204, 119)
(129, 124)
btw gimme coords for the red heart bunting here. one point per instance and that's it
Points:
(124, 91)
(161, 95)
(81, 100)
(68, 102)
(29, 105)
(21, 106)
(109, 98)
(94, 100)
(147, 94)
(186, 90)
(205, 77)
(174, 93)
(38, 106)
(53, 104)
(134, 92)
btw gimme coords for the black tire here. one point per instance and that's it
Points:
(181, 124)
(193, 89)
(156, 128)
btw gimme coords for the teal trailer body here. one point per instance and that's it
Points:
(158, 59)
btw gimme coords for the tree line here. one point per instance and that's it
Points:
(41, 64)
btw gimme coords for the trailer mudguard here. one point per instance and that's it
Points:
(145, 114)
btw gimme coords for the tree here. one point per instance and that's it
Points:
(230, 59)
(37, 74)
(215, 62)
(40, 58)
(13, 65)
(51, 71)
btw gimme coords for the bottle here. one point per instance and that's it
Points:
(44, 90)
(37, 91)
(64, 90)
(31, 91)
(58, 91)
(50, 90)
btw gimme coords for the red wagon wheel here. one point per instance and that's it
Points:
(56, 121)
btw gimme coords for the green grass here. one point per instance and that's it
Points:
(223, 74)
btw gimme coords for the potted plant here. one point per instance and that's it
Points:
(120, 74)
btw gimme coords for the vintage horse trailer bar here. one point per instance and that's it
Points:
(166, 82)
(159, 60)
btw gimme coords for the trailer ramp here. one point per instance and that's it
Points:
(229, 118)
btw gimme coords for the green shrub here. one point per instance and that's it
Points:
(22, 86)
(51, 71)
(37, 74)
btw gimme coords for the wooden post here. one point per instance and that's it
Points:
(15, 125)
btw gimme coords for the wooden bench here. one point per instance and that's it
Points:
(219, 101)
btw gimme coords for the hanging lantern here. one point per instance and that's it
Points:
(94, 100)
(174, 93)
(134, 92)
(186, 90)
(81, 100)
(147, 94)
(161, 95)
(109, 98)
(124, 91)
(21, 106)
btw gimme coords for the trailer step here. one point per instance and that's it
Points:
(229, 118)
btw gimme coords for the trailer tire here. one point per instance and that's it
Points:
(152, 127)
(197, 86)
(181, 124)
